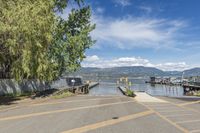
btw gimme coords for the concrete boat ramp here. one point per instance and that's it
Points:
(145, 98)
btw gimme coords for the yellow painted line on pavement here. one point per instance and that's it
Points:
(194, 110)
(195, 131)
(185, 107)
(171, 111)
(109, 122)
(83, 100)
(6, 109)
(181, 106)
(38, 103)
(165, 118)
(165, 108)
(189, 121)
(162, 105)
(61, 111)
(189, 103)
(173, 123)
(177, 115)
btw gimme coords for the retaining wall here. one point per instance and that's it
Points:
(10, 86)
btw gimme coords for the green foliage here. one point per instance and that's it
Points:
(197, 93)
(130, 93)
(62, 94)
(36, 43)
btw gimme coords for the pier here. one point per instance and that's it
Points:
(165, 81)
(93, 84)
(122, 89)
(83, 89)
(190, 87)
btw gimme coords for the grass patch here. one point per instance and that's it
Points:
(197, 93)
(130, 93)
(62, 94)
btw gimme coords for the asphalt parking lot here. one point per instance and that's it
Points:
(101, 114)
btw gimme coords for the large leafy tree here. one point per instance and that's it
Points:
(35, 43)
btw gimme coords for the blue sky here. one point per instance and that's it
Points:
(153, 33)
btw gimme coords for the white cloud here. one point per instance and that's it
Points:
(122, 3)
(100, 10)
(92, 58)
(130, 32)
(172, 66)
(95, 61)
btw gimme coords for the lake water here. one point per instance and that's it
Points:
(106, 88)
(159, 90)
(109, 87)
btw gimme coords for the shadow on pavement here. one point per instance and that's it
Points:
(12, 99)
(189, 99)
(45, 93)
(8, 100)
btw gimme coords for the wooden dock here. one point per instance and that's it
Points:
(122, 89)
(161, 83)
(83, 89)
(93, 84)
(190, 87)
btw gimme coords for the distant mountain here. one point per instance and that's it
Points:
(192, 72)
(173, 73)
(134, 71)
(122, 71)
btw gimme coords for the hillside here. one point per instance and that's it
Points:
(192, 72)
(122, 71)
(134, 71)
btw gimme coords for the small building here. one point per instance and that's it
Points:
(74, 81)
(152, 79)
(166, 80)
(195, 79)
(64, 82)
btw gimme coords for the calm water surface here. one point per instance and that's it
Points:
(159, 90)
(105, 88)
(109, 87)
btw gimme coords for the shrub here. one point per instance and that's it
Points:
(197, 94)
(130, 93)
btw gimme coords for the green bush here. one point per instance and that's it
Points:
(62, 94)
(130, 93)
(197, 94)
